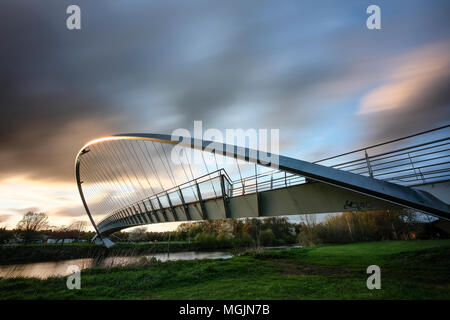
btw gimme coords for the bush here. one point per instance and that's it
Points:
(206, 240)
(243, 240)
(225, 240)
(310, 235)
(5, 235)
(267, 237)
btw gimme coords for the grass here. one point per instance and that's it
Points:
(409, 270)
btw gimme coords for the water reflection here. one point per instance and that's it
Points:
(45, 270)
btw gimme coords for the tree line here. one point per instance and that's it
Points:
(34, 226)
(224, 233)
(371, 226)
(273, 231)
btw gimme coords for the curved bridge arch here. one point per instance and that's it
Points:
(393, 193)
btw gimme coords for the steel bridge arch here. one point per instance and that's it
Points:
(390, 192)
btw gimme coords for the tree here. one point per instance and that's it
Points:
(78, 228)
(31, 224)
(138, 234)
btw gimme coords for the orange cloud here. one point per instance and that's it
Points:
(416, 74)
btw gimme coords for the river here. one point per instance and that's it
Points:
(44, 270)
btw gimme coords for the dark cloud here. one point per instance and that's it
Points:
(155, 66)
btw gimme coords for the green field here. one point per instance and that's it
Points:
(409, 270)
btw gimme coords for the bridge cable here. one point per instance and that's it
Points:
(144, 172)
(132, 186)
(164, 165)
(90, 187)
(209, 175)
(115, 182)
(155, 172)
(168, 164)
(190, 169)
(215, 160)
(243, 190)
(103, 174)
(135, 170)
(103, 180)
(240, 175)
(142, 190)
(186, 175)
(98, 182)
(102, 185)
(124, 188)
(148, 181)
(116, 173)
(131, 194)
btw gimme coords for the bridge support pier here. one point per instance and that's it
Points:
(105, 241)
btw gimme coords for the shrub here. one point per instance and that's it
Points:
(267, 237)
(243, 240)
(225, 239)
(309, 235)
(206, 240)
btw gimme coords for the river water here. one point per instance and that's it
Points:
(45, 270)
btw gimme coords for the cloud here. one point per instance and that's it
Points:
(421, 75)
(72, 212)
(4, 217)
(413, 97)
(155, 66)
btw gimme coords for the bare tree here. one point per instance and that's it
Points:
(31, 224)
(78, 227)
(308, 220)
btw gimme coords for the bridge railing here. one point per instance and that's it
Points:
(204, 187)
(416, 159)
(426, 159)
(265, 181)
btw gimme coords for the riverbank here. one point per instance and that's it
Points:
(57, 252)
(409, 270)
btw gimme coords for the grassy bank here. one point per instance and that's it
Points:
(409, 270)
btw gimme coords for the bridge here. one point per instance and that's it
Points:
(127, 180)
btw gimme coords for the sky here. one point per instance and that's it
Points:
(311, 69)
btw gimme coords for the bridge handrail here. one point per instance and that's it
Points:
(216, 174)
